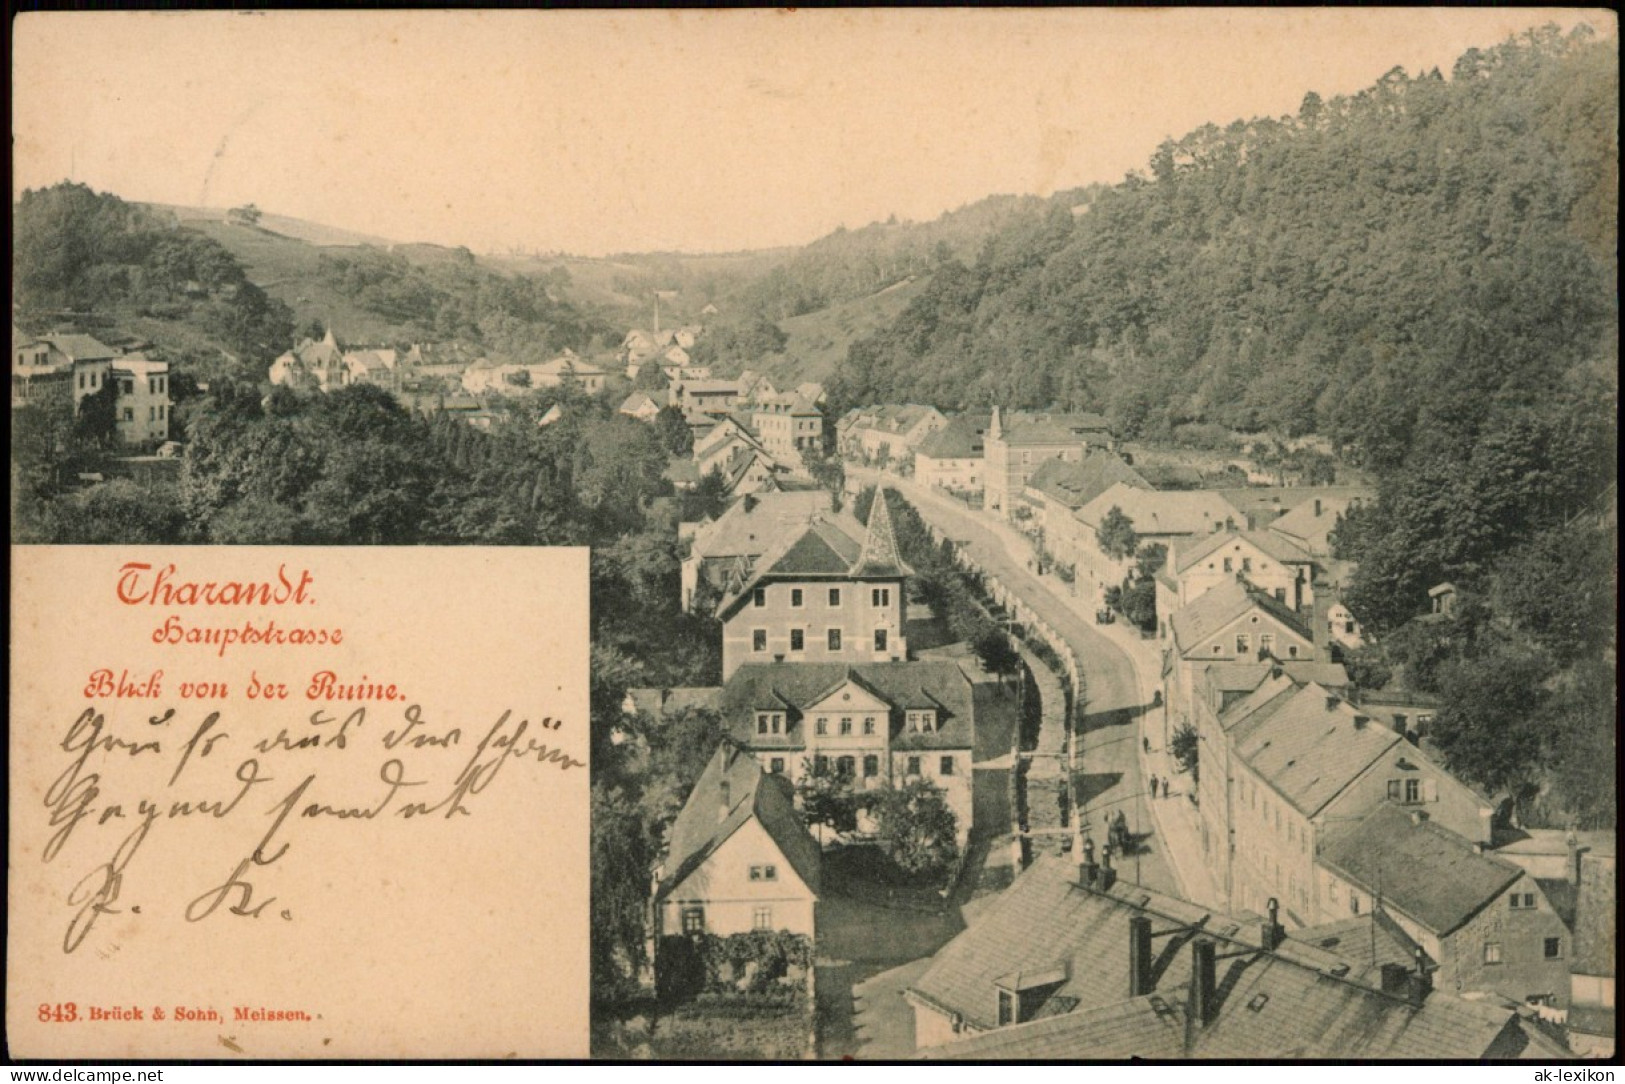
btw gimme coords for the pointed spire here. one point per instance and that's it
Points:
(879, 556)
(995, 429)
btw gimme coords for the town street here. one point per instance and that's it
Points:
(1110, 773)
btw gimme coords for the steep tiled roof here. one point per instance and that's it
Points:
(1212, 611)
(1303, 522)
(752, 527)
(879, 556)
(961, 438)
(1162, 512)
(1273, 545)
(703, 826)
(1420, 868)
(81, 347)
(1369, 940)
(1311, 746)
(768, 686)
(1299, 1001)
(1074, 485)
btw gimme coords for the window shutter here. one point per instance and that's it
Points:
(1430, 790)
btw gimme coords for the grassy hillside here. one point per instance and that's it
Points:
(818, 340)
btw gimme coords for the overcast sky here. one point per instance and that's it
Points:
(594, 132)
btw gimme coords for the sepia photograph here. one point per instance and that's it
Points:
(843, 535)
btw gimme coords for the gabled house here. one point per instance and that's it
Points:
(1018, 444)
(1484, 923)
(738, 857)
(638, 405)
(954, 456)
(1291, 761)
(1227, 624)
(312, 365)
(35, 375)
(1072, 962)
(788, 425)
(877, 724)
(1266, 561)
(1310, 524)
(707, 396)
(888, 432)
(1060, 487)
(1172, 518)
(831, 592)
(567, 368)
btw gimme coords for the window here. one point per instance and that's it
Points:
(129, 414)
(693, 920)
(795, 596)
(1266, 642)
(1292, 651)
(798, 640)
(846, 724)
(758, 639)
(761, 918)
(1554, 948)
(880, 639)
(761, 722)
(834, 596)
(152, 414)
(1354, 903)
(821, 765)
(834, 638)
(1246, 564)
(758, 597)
(1522, 901)
(913, 766)
(1244, 643)
(1218, 649)
(1229, 566)
(1280, 594)
(1492, 952)
(871, 766)
(880, 596)
(776, 766)
(764, 873)
(1007, 1008)
(868, 724)
(946, 766)
(1413, 791)
(1393, 790)
(845, 766)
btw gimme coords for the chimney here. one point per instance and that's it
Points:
(727, 802)
(1360, 721)
(1273, 933)
(1421, 981)
(1576, 860)
(1396, 980)
(1418, 816)
(1139, 956)
(1317, 506)
(1204, 987)
(1331, 702)
(1108, 876)
(1087, 870)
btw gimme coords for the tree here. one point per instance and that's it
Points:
(97, 420)
(916, 827)
(1489, 724)
(1186, 746)
(1149, 560)
(992, 647)
(1116, 536)
(826, 798)
(674, 432)
(1139, 603)
(621, 868)
(246, 215)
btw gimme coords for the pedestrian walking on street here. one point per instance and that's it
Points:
(1153, 786)
(1147, 742)
(1165, 788)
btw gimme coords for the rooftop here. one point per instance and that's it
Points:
(790, 688)
(1297, 1001)
(1074, 485)
(1273, 545)
(961, 438)
(731, 791)
(1417, 867)
(1210, 612)
(1309, 745)
(1163, 511)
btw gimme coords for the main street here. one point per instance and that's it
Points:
(1110, 772)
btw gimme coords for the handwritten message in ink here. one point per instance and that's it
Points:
(256, 791)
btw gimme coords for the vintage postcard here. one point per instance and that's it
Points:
(779, 535)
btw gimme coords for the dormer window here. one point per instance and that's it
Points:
(922, 722)
(770, 722)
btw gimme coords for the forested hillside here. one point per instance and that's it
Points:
(1426, 274)
(1370, 269)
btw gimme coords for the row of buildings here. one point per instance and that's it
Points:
(69, 367)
